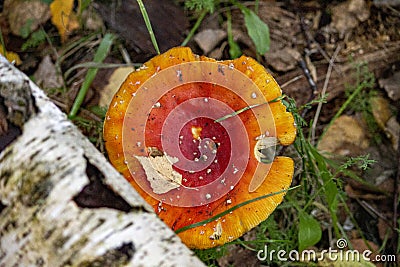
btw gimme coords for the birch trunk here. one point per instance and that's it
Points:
(61, 202)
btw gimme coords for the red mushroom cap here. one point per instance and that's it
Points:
(196, 137)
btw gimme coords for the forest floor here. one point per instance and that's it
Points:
(338, 60)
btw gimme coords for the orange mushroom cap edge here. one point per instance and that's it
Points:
(162, 133)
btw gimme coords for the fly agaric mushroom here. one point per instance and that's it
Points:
(196, 137)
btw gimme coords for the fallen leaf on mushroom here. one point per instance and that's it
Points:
(160, 174)
(196, 138)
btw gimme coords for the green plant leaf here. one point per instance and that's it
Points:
(26, 29)
(148, 25)
(309, 231)
(198, 5)
(38, 37)
(330, 188)
(99, 111)
(84, 4)
(234, 49)
(257, 30)
(47, 1)
(100, 55)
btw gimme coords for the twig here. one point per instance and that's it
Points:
(307, 73)
(98, 65)
(375, 213)
(125, 54)
(319, 107)
(291, 81)
(90, 42)
(310, 40)
(310, 80)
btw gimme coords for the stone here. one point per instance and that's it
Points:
(345, 137)
(348, 15)
(392, 130)
(380, 110)
(392, 86)
(23, 14)
(208, 39)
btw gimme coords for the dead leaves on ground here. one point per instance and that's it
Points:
(25, 17)
(63, 17)
(11, 56)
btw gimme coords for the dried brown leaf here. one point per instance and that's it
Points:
(63, 17)
(162, 177)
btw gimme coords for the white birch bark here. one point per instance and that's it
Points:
(44, 175)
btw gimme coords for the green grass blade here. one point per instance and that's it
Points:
(180, 230)
(230, 115)
(237, 112)
(148, 25)
(100, 55)
(257, 29)
(195, 27)
(234, 49)
(360, 86)
(310, 231)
